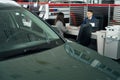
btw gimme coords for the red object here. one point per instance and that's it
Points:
(66, 4)
(73, 18)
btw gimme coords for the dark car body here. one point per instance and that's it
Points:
(31, 50)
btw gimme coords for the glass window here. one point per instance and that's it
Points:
(21, 29)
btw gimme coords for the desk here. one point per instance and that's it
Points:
(75, 30)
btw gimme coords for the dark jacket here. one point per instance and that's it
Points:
(92, 20)
(84, 35)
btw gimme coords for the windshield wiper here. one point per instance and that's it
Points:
(21, 52)
(28, 48)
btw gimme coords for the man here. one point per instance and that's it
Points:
(90, 19)
(89, 24)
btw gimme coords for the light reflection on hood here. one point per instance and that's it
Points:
(84, 57)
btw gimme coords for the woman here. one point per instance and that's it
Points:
(60, 23)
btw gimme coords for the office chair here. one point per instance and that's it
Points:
(100, 21)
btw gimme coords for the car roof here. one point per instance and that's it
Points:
(8, 3)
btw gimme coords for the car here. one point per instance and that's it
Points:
(30, 49)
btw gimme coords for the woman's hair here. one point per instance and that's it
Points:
(60, 17)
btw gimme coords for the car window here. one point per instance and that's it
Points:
(20, 29)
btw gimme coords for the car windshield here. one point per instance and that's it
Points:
(21, 31)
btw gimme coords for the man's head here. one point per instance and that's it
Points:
(89, 14)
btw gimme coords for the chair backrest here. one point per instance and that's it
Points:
(100, 19)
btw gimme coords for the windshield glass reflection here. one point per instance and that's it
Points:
(20, 30)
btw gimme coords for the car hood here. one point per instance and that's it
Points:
(69, 61)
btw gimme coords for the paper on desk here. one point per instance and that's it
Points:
(74, 28)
